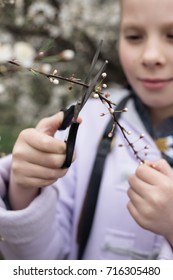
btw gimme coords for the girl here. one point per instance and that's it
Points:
(133, 217)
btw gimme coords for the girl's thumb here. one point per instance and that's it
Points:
(51, 124)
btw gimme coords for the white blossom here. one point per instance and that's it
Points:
(85, 15)
(40, 11)
(5, 52)
(24, 53)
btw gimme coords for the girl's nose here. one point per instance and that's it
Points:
(152, 55)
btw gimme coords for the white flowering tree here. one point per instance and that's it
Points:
(56, 36)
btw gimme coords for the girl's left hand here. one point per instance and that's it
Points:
(151, 197)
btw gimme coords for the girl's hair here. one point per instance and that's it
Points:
(119, 76)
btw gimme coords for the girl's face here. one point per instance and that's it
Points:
(146, 52)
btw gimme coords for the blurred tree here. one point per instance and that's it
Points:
(37, 33)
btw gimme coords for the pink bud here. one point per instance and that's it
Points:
(141, 136)
(107, 95)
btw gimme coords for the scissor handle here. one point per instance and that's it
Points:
(71, 140)
(68, 116)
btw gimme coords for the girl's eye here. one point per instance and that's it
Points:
(170, 36)
(134, 37)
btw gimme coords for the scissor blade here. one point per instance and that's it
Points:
(93, 84)
(87, 92)
(93, 63)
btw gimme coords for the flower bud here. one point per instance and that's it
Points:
(67, 54)
(104, 75)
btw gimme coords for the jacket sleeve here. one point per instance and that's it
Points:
(40, 231)
(166, 252)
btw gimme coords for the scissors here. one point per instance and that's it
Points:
(71, 114)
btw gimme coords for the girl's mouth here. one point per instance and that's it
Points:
(155, 84)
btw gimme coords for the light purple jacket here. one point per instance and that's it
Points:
(46, 229)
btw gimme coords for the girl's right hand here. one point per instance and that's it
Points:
(37, 158)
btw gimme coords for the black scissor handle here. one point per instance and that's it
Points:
(68, 116)
(70, 144)
(71, 140)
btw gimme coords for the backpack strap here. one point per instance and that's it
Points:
(90, 200)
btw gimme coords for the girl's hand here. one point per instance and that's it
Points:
(151, 197)
(36, 161)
